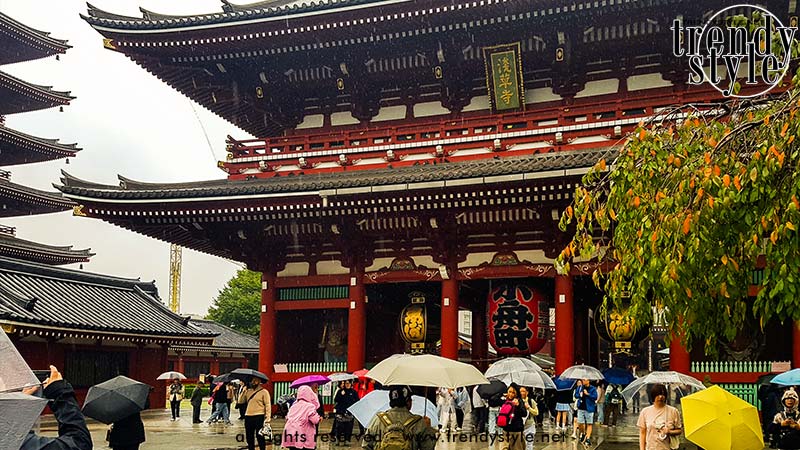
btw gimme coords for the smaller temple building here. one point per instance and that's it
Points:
(93, 327)
(230, 350)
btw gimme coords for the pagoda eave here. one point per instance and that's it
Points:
(41, 253)
(23, 43)
(18, 96)
(19, 200)
(20, 148)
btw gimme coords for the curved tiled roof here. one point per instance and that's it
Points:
(17, 200)
(230, 13)
(18, 96)
(227, 338)
(15, 247)
(17, 147)
(44, 295)
(311, 183)
(20, 42)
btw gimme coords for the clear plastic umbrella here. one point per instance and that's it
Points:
(377, 401)
(171, 376)
(510, 366)
(531, 378)
(582, 372)
(673, 380)
(14, 371)
(18, 413)
(341, 376)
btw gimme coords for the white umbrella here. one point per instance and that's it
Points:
(582, 372)
(378, 401)
(171, 376)
(532, 378)
(425, 370)
(14, 371)
(510, 366)
(662, 377)
(341, 376)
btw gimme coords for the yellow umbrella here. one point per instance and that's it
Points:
(715, 419)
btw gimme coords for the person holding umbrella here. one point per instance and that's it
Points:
(587, 398)
(343, 419)
(658, 421)
(127, 433)
(300, 430)
(258, 414)
(72, 431)
(176, 393)
(511, 419)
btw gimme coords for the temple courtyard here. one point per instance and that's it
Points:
(164, 434)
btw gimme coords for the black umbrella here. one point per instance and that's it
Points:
(247, 374)
(765, 380)
(115, 399)
(493, 388)
(224, 378)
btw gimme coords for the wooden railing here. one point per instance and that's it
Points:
(585, 113)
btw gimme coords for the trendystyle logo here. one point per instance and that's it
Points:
(745, 41)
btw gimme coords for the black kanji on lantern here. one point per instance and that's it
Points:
(512, 317)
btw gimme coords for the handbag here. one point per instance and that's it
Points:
(266, 431)
(674, 442)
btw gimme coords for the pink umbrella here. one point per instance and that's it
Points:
(309, 380)
(361, 373)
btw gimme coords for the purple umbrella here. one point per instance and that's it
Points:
(309, 380)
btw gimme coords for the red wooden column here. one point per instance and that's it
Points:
(679, 360)
(795, 345)
(267, 335)
(356, 319)
(180, 366)
(565, 326)
(450, 315)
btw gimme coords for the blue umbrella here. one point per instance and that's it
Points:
(377, 401)
(563, 384)
(790, 378)
(615, 375)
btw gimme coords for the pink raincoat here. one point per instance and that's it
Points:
(300, 430)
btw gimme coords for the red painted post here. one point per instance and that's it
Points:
(565, 326)
(267, 335)
(450, 316)
(679, 360)
(356, 320)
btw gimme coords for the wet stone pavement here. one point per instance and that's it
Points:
(164, 434)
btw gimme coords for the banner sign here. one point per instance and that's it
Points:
(504, 77)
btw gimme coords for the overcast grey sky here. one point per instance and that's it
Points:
(127, 122)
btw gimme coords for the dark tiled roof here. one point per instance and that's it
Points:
(17, 147)
(56, 297)
(542, 162)
(18, 96)
(14, 247)
(20, 42)
(227, 338)
(18, 200)
(230, 13)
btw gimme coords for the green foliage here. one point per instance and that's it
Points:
(689, 209)
(189, 389)
(238, 305)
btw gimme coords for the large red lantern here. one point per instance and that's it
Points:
(518, 318)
